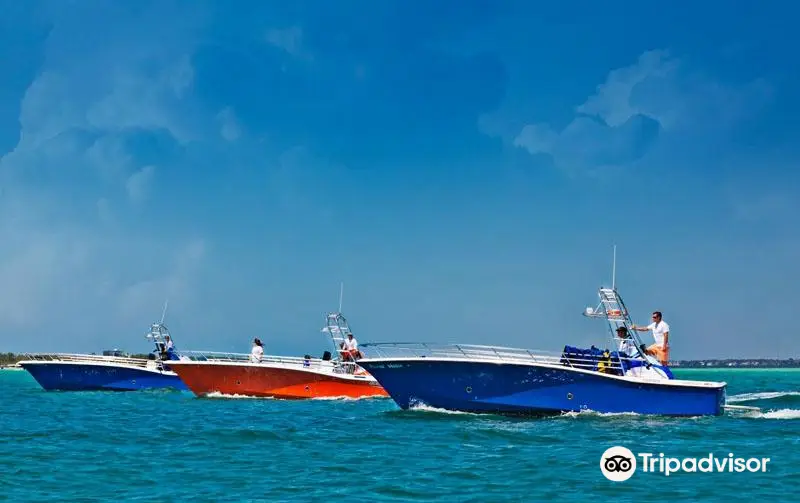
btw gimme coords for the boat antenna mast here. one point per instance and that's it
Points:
(164, 312)
(614, 270)
(337, 328)
(158, 330)
(614, 311)
(336, 324)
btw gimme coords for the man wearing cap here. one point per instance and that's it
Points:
(626, 344)
(660, 330)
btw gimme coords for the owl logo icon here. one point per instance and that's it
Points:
(618, 464)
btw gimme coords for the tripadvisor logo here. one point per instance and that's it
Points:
(618, 464)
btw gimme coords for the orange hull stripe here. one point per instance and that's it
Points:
(203, 379)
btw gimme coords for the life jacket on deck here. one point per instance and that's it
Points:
(604, 363)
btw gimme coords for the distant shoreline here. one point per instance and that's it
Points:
(736, 369)
(737, 363)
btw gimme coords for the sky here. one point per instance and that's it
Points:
(464, 168)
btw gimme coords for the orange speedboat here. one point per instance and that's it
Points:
(281, 376)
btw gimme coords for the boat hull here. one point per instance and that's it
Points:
(532, 389)
(62, 376)
(204, 378)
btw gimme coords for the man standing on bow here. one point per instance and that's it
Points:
(660, 330)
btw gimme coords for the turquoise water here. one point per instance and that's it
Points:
(171, 446)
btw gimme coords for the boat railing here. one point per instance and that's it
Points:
(290, 361)
(461, 351)
(80, 358)
(493, 353)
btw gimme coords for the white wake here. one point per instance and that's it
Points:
(764, 395)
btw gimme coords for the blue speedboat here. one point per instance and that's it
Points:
(111, 371)
(517, 381)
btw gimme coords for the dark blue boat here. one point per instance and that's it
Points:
(109, 372)
(518, 381)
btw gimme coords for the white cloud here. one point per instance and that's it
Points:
(113, 78)
(109, 156)
(635, 107)
(138, 184)
(537, 138)
(665, 89)
(136, 100)
(69, 254)
(589, 143)
(614, 101)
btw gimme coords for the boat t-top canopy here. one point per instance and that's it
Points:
(158, 332)
(337, 328)
(613, 310)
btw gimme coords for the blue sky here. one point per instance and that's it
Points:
(463, 167)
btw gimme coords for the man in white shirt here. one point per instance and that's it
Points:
(350, 346)
(626, 344)
(660, 330)
(169, 349)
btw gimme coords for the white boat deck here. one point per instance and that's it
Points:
(222, 358)
(392, 350)
(84, 359)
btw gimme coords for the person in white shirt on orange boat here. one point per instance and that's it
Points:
(660, 330)
(258, 350)
(350, 346)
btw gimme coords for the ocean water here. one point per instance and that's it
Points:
(172, 446)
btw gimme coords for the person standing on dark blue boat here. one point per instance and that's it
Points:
(660, 330)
